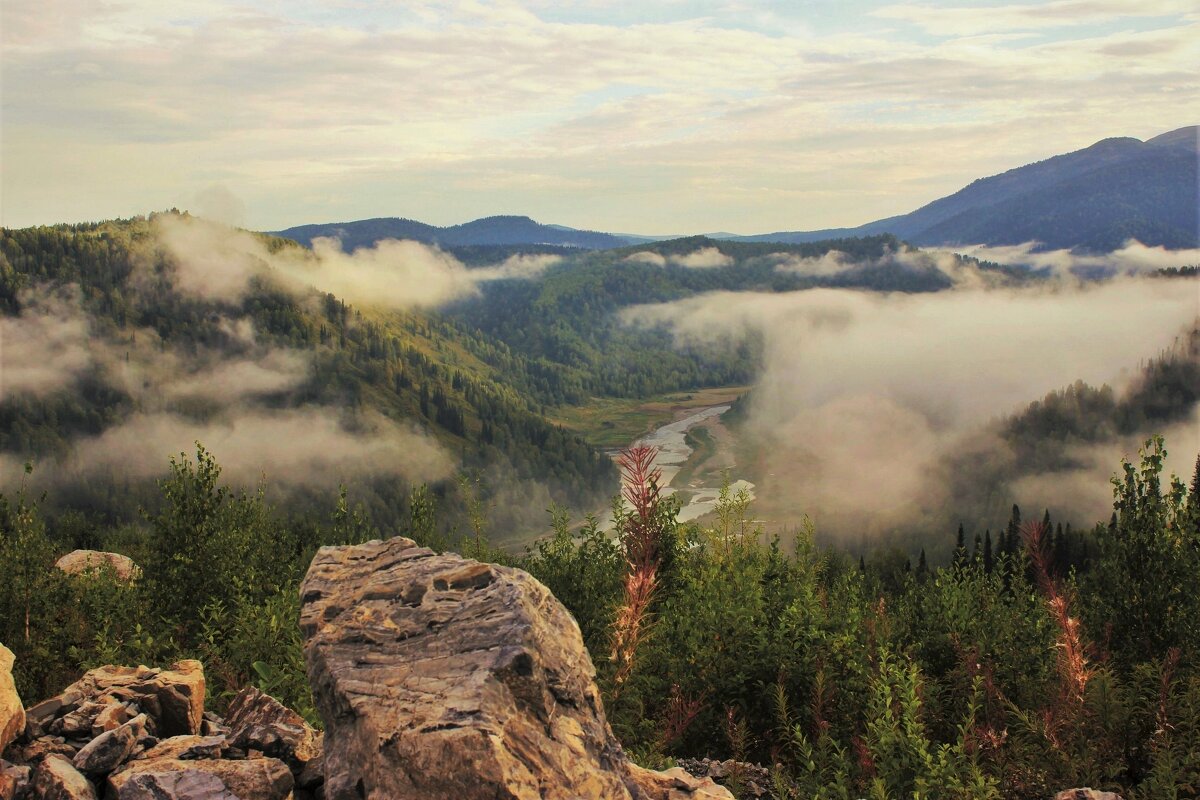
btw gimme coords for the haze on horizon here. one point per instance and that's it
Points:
(684, 117)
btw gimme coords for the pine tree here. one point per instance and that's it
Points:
(960, 547)
(989, 559)
(1012, 534)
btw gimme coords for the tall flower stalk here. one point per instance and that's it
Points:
(641, 534)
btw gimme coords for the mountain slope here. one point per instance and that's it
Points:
(1092, 199)
(500, 230)
(135, 357)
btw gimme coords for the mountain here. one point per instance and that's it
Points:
(501, 230)
(1092, 199)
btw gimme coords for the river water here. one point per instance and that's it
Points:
(704, 488)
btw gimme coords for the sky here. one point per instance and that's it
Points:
(671, 117)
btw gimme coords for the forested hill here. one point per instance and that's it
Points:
(127, 354)
(1093, 199)
(488, 231)
(567, 325)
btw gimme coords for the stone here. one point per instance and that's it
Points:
(78, 722)
(257, 721)
(173, 699)
(12, 713)
(80, 562)
(157, 778)
(1086, 794)
(55, 779)
(113, 716)
(110, 749)
(35, 750)
(439, 676)
(185, 748)
(752, 780)
(16, 779)
(674, 784)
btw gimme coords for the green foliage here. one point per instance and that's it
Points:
(1143, 583)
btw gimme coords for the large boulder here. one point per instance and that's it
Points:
(442, 677)
(1086, 794)
(12, 713)
(79, 562)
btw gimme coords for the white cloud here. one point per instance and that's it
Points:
(44, 348)
(700, 258)
(1134, 257)
(300, 447)
(703, 258)
(864, 398)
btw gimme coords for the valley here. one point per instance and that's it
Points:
(365, 436)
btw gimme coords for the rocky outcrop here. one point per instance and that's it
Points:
(79, 562)
(1086, 794)
(12, 713)
(442, 677)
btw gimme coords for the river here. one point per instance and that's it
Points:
(704, 486)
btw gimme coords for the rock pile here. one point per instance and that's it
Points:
(750, 780)
(128, 733)
(442, 677)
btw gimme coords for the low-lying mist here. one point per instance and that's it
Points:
(879, 413)
(216, 262)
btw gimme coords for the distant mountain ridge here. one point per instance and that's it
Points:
(1092, 199)
(499, 230)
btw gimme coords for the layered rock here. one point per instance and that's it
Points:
(442, 677)
(12, 713)
(172, 698)
(257, 721)
(186, 767)
(79, 562)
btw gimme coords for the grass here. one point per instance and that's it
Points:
(616, 422)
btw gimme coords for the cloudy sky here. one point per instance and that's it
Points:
(675, 116)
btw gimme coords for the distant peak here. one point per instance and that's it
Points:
(505, 218)
(1186, 136)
